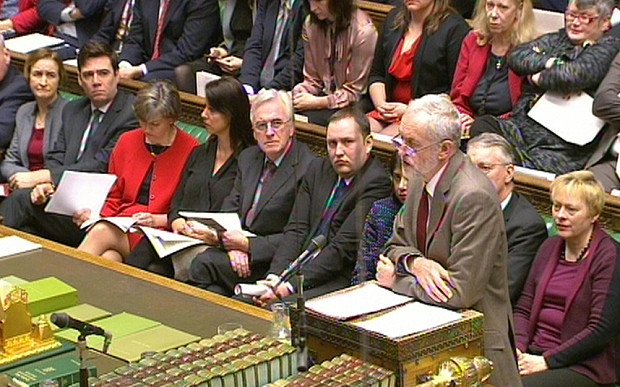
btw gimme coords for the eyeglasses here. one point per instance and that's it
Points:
(275, 125)
(582, 17)
(407, 152)
(486, 168)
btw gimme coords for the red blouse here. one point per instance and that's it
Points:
(401, 68)
(35, 149)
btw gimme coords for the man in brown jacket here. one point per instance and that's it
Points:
(457, 257)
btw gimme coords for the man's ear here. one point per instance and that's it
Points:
(446, 149)
(368, 143)
(510, 173)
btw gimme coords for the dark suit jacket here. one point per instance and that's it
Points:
(466, 235)
(87, 27)
(606, 106)
(434, 63)
(190, 27)
(333, 267)
(276, 200)
(259, 44)
(14, 92)
(241, 27)
(526, 231)
(118, 119)
(110, 22)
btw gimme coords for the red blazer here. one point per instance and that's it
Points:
(27, 19)
(470, 68)
(131, 161)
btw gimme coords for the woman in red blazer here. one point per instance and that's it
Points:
(148, 163)
(26, 21)
(483, 83)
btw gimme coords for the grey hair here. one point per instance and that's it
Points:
(158, 99)
(603, 7)
(267, 95)
(443, 121)
(493, 140)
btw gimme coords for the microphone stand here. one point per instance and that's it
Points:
(81, 346)
(301, 336)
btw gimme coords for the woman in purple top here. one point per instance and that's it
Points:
(567, 318)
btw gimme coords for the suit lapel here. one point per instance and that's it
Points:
(172, 7)
(438, 203)
(74, 132)
(271, 18)
(108, 119)
(254, 172)
(280, 177)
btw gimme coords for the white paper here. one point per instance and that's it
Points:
(256, 290)
(28, 43)
(229, 220)
(366, 298)
(202, 79)
(79, 191)
(409, 319)
(166, 243)
(570, 118)
(11, 245)
(122, 222)
(535, 173)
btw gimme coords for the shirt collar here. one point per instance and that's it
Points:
(504, 202)
(432, 183)
(278, 161)
(103, 109)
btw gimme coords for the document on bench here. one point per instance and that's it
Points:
(79, 191)
(219, 221)
(569, 117)
(11, 245)
(356, 301)
(408, 319)
(28, 43)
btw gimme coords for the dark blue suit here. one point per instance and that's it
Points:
(190, 28)
(259, 44)
(14, 92)
(92, 10)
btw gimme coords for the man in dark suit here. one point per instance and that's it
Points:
(273, 60)
(167, 34)
(449, 242)
(117, 18)
(606, 106)
(75, 21)
(91, 127)
(333, 200)
(268, 176)
(14, 92)
(525, 228)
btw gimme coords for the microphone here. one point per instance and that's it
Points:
(316, 244)
(63, 320)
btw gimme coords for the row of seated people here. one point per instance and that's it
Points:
(286, 196)
(494, 73)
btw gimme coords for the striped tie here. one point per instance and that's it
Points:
(95, 119)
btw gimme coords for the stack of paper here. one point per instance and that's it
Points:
(409, 319)
(11, 245)
(360, 300)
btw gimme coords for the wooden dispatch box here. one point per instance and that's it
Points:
(411, 357)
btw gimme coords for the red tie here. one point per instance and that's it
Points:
(160, 28)
(422, 220)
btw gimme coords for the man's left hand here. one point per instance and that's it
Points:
(270, 296)
(531, 364)
(386, 273)
(433, 278)
(133, 72)
(235, 240)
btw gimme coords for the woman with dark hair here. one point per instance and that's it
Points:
(37, 123)
(416, 55)
(148, 163)
(212, 167)
(339, 41)
(379, 224)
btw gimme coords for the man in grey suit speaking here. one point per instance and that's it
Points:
(449, 243)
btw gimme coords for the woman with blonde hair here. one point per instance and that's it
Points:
(483, 83)
(567, 319)
(416, 54)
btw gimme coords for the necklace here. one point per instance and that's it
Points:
(500, 61)
(583, 252)
(156, 149)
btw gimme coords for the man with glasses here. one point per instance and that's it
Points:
(334, 198)
(263, 194)
(449, 243)
(525, 228)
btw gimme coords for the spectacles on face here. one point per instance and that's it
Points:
(581, 17)
(275, 125)
(486, 168)
(406, 152)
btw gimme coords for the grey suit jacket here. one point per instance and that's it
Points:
(75, 116)
(466, 236)
(276, 200)
(606, 106)
(16, 159)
